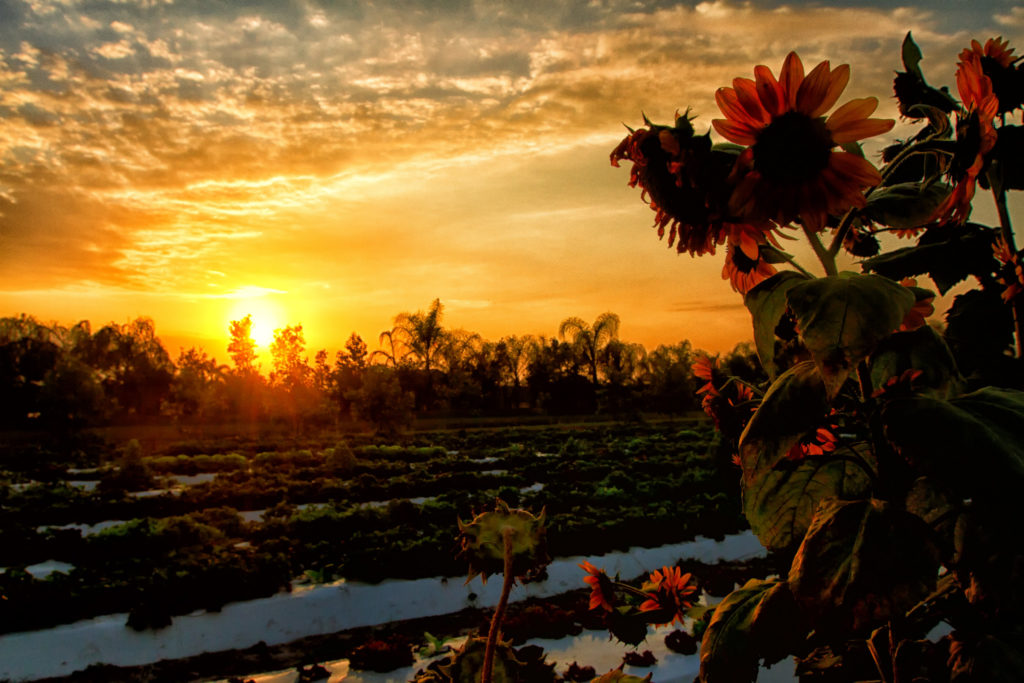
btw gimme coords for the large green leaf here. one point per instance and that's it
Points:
(780, 503)
(842, 318)
(922, 349)
(974, 443)
(794, 405)
(862, 563)
(946, 253)
(758, 621)
(906, 205)
(767, 304)
(911, 55)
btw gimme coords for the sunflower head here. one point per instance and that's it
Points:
(997, 62)
(976, 136)
(791, 168)
(482, 542)
(684, 179)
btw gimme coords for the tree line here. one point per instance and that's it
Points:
(56, 376)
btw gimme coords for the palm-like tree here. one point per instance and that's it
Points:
(423, 335)
(589, 341)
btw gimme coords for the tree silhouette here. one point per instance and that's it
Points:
(423, 335)
(242, 348)
(513, 353)
(589, 341)
(290, 367)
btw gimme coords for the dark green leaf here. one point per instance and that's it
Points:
(1009, 155)
(907, 205)
(948, 254)
(979, 327)
(975, 442)
(758, 621)
(793, 405)
(911, 54)
(843, 318)
(861, 564)
(767, 304)
(921, 349)
(987, 659)
(780, 503)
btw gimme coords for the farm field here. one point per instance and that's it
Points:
(195, 527)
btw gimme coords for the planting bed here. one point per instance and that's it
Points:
(321, 510)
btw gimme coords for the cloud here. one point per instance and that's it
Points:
(459, 145)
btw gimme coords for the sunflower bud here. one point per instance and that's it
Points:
(617, 676)
(482, 542)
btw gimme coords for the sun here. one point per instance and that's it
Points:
(267, 316)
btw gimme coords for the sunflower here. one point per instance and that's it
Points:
(669, 593)
(975, 137)
(685, 181)
(997, 62)
(602, 594)
(790, 169)
(744, 265)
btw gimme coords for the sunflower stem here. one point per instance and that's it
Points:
(847, 221)
(1006, 231)
(486, 672)
(828, 261)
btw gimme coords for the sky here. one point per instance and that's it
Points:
(332, 164)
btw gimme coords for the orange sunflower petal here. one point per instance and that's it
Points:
(773, 98)
(740, 133)
(852, 169)
(814, 88)
(791, 76)
(840, 77)
(852, 111)
(729, 103)
(864, 128)
(746, 93)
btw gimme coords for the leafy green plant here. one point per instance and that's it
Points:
(879, 461)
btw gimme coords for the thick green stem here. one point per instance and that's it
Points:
(828, 261)
(1006, 231)
(486, 672)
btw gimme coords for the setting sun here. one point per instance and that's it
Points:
(267, 314)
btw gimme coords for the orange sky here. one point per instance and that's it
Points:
(334, 167)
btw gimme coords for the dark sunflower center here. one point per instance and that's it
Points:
(793, 148)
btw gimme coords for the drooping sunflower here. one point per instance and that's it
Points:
(975, 137)
(998, 63)
(791, 168)
(685, 179)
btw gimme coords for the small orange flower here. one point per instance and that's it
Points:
(901, 384)
(824, 441)
(704, 368)
(669, 592)
(790, 169)
(601, 594)
(1012, 273)
(975, 137)
(744, 267)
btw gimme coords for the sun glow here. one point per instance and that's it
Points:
(267, 316)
